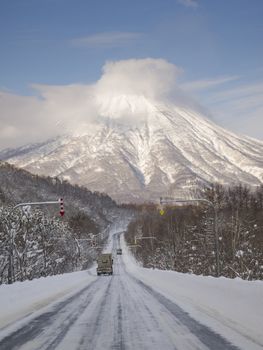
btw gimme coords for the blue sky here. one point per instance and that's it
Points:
(217, 44)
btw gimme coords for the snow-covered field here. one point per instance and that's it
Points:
(231, 308)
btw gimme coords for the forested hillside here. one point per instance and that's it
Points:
(184, 237)
(36, 241)
(18, 185)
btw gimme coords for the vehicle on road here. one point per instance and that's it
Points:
(105, 264)
(119, 251)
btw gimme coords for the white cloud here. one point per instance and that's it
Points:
(108, 39)
(121, 94)
(241, 108)
(239, 92)
(207, 83)
(236, 104)
(149, 77)
(22, 120)
(60, 109)
(188, 3)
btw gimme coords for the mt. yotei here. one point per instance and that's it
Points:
(160, 149)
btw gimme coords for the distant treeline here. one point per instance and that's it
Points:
(184, 238)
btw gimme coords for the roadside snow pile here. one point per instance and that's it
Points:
(22, 298)
(233, 307)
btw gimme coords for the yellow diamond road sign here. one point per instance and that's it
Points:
(161, 212)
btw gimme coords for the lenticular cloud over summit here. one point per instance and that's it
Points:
(121, 94)
(152, 78)
(126, 88)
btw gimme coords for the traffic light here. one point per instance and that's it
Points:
(161, 209)
(62, 212)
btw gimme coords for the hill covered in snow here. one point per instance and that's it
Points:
(169, 149)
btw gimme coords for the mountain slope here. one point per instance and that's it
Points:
(19, 186)
(171, 150)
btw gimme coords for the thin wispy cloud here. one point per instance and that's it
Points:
(188, 3)
(238, 93)
(107, 39)
(237, 104)
(204, 84)
(242, 107)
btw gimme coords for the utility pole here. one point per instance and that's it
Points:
(167, 200)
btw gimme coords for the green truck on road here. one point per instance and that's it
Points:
(105, 263)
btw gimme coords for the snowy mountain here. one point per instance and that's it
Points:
(142, 149)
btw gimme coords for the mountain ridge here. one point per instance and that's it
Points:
(143, 149)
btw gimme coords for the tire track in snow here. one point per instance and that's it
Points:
(208, 337)
(94, 325)
(141, 327)
(30, 332)
(118, 343)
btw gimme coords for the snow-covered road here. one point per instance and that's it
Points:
(122, 311)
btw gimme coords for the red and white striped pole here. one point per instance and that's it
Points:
(62, 212)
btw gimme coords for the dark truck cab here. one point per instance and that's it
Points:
(105, 263)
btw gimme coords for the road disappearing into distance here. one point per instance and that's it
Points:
(114, 312)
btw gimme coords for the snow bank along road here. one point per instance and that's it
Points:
(115, 312)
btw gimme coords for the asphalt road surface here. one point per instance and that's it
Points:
(115, 312)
